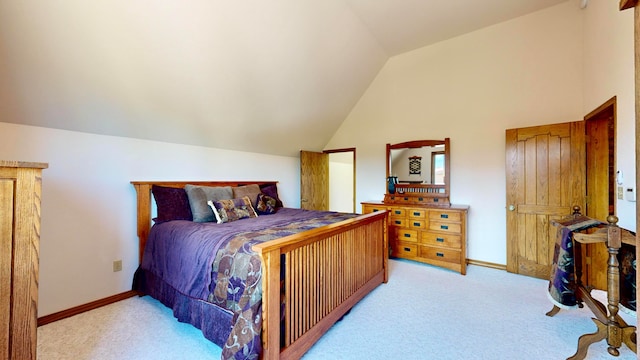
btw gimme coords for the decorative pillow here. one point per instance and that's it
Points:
(232, 210)
(272, 190)
(266, 205)
(198, 197)
(251, 191)
(171, 203)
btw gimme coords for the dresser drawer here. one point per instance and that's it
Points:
(417, 213)
(417, 224)
(402, 222)
(367, 208)
(402, 199)
(434, 253)
(396, 212)
(444, 215)
(404, 250)
(445, 240)
(445, 226)
(407, 235)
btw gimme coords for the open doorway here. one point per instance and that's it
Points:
(342, 179)
(328, 180)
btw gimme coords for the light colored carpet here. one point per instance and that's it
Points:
(422, 313)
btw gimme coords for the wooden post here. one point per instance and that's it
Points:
(628, 4)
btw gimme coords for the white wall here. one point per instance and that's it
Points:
(250, 70)
(88, 204)
(524, 72)
(609, 71)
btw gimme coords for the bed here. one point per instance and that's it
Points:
(271, 285)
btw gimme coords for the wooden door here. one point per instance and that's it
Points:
(545, 173)
(600, 158)
(314, 180)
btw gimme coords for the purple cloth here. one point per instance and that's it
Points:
(190, 248)
(562, 281)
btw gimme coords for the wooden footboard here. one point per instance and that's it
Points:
(326, 271)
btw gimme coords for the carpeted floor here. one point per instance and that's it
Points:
(423, 312)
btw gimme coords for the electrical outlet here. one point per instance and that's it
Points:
(620, 193)
(117, 265)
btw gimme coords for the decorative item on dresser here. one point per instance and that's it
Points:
(423, 225)
(20, 190)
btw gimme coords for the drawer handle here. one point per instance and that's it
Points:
(435, 199)
(416, 224)
(416, 213)
(440, 239)
(420, 199)
(439, 254)
(375, 210)
(444, 216)
(407, 249)
(398, 222)
(444, 227)
(406, 199)
(407, 235)
(398, 212)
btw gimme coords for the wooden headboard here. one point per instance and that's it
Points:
(144, 203)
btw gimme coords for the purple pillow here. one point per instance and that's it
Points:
(272, 191)
(172, 204)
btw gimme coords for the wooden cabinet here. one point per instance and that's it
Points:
(20, 190)
(433, 235)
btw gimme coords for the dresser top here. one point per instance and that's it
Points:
(429, 206)
(23, 164)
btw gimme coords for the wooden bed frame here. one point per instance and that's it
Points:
(327, 271)
(610, 325)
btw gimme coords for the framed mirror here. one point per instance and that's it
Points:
(420, 167)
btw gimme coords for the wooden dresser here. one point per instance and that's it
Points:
(20, 190)
(436, 235)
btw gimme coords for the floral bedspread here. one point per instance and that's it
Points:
(236, 281)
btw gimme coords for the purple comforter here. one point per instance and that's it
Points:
(215, 263)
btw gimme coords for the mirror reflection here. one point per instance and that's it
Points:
(420, 166)
(424, 165)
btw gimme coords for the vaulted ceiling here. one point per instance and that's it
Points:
(262, 76)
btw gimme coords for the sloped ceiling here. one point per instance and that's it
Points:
(272, 76)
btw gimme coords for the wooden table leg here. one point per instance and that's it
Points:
(629, 338)
(553, 311)
(587, 339)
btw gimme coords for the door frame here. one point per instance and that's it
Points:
(594, 269)
(606, 109)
